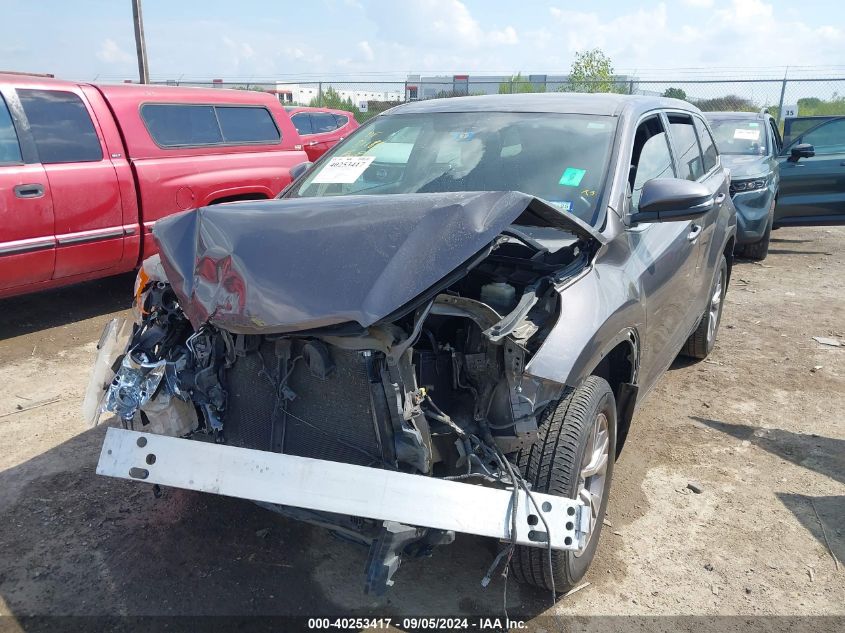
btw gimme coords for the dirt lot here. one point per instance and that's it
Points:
(759, 426)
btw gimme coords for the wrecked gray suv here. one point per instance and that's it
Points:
(444, 326)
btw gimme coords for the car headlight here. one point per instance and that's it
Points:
(747, 184)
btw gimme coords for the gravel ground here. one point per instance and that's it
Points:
(758, 426)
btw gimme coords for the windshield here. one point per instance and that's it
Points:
(561, 158)
(740, 136)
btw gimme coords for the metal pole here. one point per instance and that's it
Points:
(320, 94)
(140, 43)
(782, 93)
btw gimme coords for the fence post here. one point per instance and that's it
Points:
(782, 93)
(631, 87)
(320, 94)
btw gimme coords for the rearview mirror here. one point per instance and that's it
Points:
(802, 150)
(672, 199)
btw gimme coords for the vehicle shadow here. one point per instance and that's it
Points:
(824, 455)
(75, 543)
(54, 308)
(823, 517)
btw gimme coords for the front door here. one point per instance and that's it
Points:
(27, 243)
(812, 190)
(86, 196)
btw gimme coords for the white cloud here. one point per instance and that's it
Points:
(507, 35)
(699, 4)
(111, 53)
(366, 51)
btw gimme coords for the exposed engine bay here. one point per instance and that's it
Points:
(436, 389)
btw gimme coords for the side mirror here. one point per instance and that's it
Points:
(297, 170)
(802, 150)
(671, 200)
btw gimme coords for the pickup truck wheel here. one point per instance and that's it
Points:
(572, 457)
(758, 250)
(701, 341)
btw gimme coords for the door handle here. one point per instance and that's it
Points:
(695, 231)
(719, 199)
(34, 190)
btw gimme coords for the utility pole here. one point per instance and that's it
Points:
(140, 44)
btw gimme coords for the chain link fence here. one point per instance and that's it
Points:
(365, 99)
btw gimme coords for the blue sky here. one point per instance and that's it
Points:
(87, 39)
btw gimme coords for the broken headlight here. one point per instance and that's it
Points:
(133, 385)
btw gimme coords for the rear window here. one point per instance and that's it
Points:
(61, 126)
(185, 125)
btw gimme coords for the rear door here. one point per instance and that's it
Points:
(812, 190)
(324, 134)
(27, 242)
(84, 185)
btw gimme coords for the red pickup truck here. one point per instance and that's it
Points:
(85, 170)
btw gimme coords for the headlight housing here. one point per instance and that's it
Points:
(748, 184)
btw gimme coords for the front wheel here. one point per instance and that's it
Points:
(758, 251)
(572, 457)
(700, 343)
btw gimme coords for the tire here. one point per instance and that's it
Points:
(554, 465)
(700, 343)
(758, 250)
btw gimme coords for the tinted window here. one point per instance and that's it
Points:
(686, 146)
(61, 126)
(707, 145)
(828, 138)
(173, 125)
(561, 158)
(341, 120)
(10, 151)
(323, 122)
(302, 123)
(652, 158)
(247, 125)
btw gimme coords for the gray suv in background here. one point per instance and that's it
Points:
(749, 144)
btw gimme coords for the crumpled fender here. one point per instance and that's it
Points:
(598, 310)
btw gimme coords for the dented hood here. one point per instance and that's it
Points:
(295, 264)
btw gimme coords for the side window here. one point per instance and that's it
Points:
(341, 120)
(323, 122)
(302, 123)
(828, 138)
(690, 161)
(651, 158)
(10, 150)
(173, 125)
(245, 124)
(711, 157)
(61, 126)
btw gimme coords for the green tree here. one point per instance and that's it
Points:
(517, 83)
(331, 99)
(675, 93)
(733, 103)
(592, 71)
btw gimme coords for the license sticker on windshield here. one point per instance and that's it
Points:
(747, 135)
(343, 170)
(563, 205)
(572, 177)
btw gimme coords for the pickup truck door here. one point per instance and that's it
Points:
(86, 195)
(812, 190)
(27, 243)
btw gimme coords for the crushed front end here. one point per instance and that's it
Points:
(393, 429)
